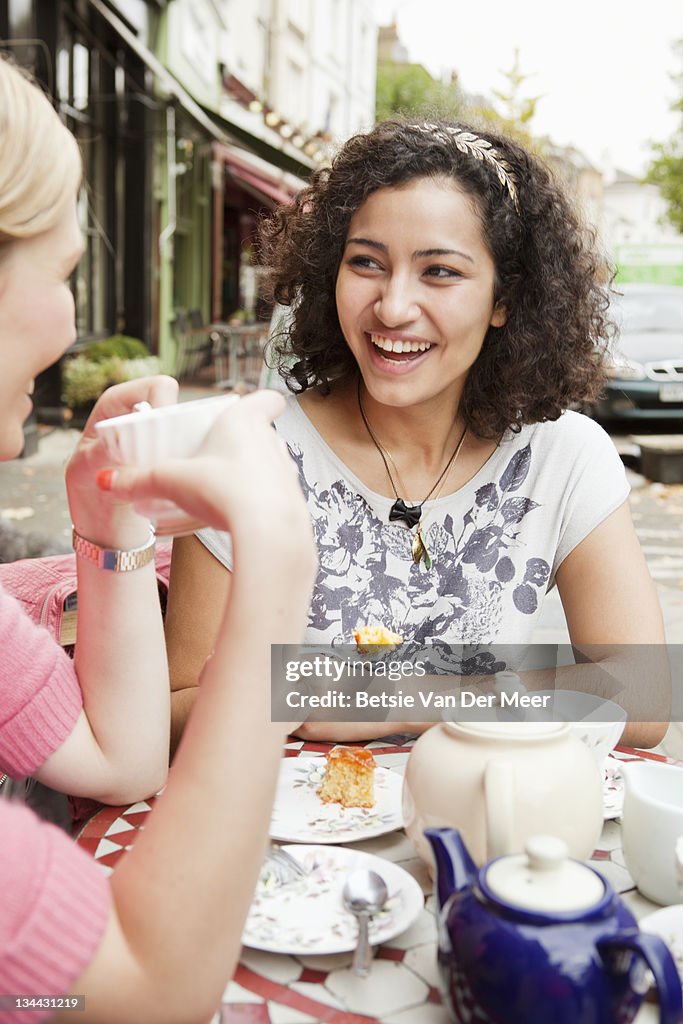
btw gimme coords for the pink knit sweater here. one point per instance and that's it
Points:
(54, 899)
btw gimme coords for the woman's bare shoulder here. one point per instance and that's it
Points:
(333, 414)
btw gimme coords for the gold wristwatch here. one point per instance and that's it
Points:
(114, 559)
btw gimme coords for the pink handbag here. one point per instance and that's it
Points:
(46, 587)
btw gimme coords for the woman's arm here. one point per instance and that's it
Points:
(182, 894)
(610, 601)
(199, 588)
(118, 750)
(354, 732)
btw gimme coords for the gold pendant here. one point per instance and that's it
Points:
(420, 550)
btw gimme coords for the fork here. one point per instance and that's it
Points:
(283, 866)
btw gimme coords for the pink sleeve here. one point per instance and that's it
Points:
(40, 698)
(53, 912)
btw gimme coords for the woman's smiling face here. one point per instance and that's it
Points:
(415, 291)
(37, 319)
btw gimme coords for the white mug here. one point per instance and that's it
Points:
(652, 827)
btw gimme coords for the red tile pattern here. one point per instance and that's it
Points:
(95, 838)
(279, 993)
(108, 847)
(310, 977)
(386, 953)
(244, 1013)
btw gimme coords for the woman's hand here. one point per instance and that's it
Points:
(97, 515)
(242, 479)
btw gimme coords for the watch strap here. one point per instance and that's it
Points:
(114, 559)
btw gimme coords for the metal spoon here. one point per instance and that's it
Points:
(364, 894)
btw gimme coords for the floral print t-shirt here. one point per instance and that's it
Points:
(495, 544)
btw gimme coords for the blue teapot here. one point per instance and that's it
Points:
(539, 938)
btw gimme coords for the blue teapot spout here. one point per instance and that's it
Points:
(455, 869)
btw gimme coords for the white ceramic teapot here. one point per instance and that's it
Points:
(500, 782)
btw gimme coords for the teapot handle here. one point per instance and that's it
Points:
(499, 802)
(658, 958)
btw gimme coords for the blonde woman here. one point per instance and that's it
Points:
(98, 726)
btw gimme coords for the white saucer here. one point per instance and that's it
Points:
(300, 816)
(667, 923)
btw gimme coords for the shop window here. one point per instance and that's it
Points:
(83, 79)
(81, 73)
(21, 20)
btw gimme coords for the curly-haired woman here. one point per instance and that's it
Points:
(448, 309)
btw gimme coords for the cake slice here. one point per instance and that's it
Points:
(369, 638)
(349, 778)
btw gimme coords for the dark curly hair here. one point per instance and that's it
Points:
(550, 275)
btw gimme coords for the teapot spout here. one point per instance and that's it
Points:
(455, 869)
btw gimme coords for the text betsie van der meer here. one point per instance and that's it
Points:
(326, 678)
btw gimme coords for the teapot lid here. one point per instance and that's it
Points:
(544, 878)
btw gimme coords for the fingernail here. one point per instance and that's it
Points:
(105, 479)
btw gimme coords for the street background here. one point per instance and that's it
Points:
(196, 118)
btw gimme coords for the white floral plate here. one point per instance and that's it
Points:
(307, 916)
(668, 924)
(612, 788)
(300, 816)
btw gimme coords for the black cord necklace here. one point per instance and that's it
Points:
(400, 511)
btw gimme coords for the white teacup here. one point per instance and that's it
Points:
(652, 825)
(148, 436)
(598, 722)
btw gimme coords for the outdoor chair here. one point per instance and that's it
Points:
(199, 345)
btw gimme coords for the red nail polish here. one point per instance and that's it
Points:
(104, 479)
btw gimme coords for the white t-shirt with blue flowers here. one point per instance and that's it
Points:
(495, 544)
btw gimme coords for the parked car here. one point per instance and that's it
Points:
(646, 362)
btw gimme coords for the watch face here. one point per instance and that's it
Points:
(114, 559)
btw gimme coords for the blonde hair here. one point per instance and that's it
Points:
(40, 164)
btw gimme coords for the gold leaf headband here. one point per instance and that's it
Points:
(468, 142)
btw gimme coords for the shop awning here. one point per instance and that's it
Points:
(267, 187)
(261, 188)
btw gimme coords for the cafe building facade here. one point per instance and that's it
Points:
(194, 118)
(177, 169)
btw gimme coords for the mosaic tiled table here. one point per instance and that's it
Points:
(402, 988)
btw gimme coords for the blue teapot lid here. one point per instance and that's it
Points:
(544, 879)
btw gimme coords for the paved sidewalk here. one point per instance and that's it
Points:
(657, 511)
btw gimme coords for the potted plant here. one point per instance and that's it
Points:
(99, 365)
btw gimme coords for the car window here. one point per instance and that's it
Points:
(649, 312)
